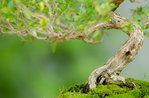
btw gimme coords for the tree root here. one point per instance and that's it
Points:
(101, 76)
(96, 77)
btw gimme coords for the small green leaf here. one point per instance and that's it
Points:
(10, 4)
(90, 22)
(42, 21)
(28, 38)
(5, 10)
(53, 45)
(96, 35)
(17, 1)
(147, 26)
(7, 20)
(33, 32)
(106, 18)
(66, 35)
(146, 13)
(42, 6)
(57, 21)
(85, 29)
(76, 18)
(148, 35)
(125, 24)
(27, 13)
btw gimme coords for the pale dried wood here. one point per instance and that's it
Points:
(125, 54)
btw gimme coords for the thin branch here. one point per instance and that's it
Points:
(47, 4)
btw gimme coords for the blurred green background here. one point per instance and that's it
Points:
(31, 70)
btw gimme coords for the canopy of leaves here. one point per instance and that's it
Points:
(47, 19)
(39, 18)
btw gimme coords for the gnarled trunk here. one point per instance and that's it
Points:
(126, 53)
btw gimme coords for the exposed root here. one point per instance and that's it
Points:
(101, 76)
(95, 75)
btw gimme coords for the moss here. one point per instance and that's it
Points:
(143, 86)
(136, 93)
(146, 96)
(110, 90)
(77, 95)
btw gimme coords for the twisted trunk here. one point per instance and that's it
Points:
(126, 53)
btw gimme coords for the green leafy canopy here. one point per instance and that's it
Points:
(38, 19)
(36, 15)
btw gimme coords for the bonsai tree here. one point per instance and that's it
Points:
(59, 20)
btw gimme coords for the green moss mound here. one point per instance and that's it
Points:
(110, 91)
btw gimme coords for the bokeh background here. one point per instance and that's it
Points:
(31, 70)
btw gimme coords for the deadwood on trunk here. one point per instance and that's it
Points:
(126, 53)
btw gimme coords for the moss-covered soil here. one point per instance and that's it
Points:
(110, 91)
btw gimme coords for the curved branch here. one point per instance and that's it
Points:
(125, 54)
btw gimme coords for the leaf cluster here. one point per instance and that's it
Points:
(37, 17)
(141, 16)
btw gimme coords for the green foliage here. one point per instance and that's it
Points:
(111, 91)
(141, 17)
(53, 45)
(33, 14)
(37, 19)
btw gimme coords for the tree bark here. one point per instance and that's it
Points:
(126, 53)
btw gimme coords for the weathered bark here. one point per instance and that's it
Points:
(127, 52)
